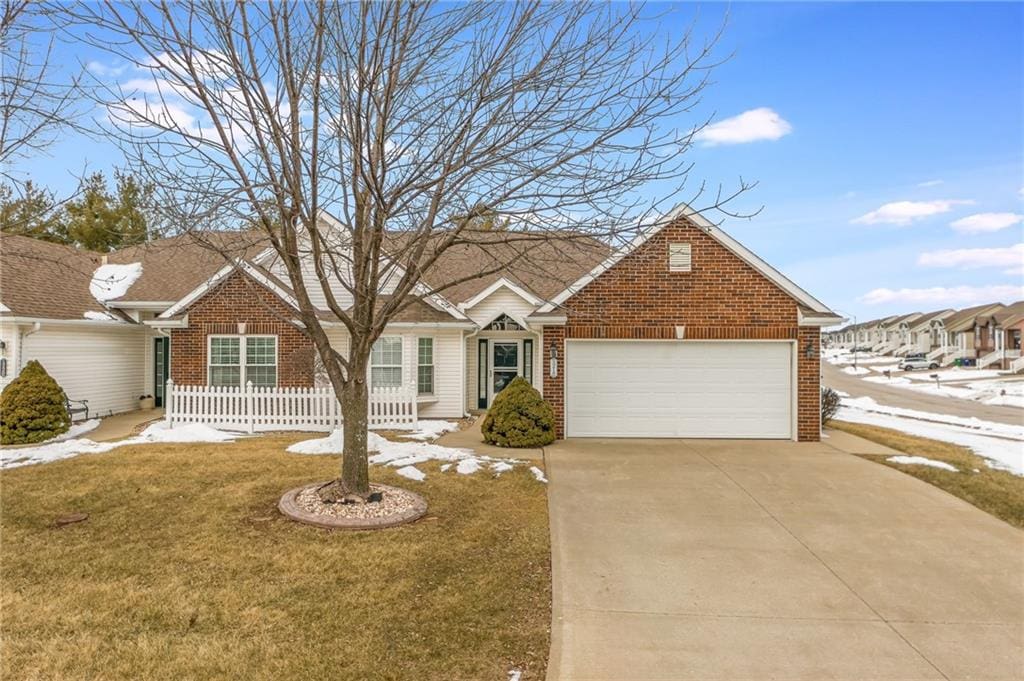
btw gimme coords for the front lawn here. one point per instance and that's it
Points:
(998, 492)
(185, 570)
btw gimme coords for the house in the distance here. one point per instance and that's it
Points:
(682, 333)
(920, 336)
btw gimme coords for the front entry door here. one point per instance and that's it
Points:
(505, 364)
(161, 364)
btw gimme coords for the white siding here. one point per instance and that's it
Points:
(9, 335)
(448, 373)
(313, 286)
(448, 370)
(502, 300)
(104, 364)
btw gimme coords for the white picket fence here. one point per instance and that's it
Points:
(259, 409)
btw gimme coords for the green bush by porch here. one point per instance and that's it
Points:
(519, 417)
(32, 408)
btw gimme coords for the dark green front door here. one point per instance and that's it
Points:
(161, 368)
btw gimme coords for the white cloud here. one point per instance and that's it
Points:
(930, 183)
(100, 69)
(986, 222)
(749, 126)
(905, 212)
(941, 295)
(1011, 258)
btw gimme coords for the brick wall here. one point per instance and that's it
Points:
(238, 299)
(721, 298)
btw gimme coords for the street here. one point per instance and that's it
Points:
(855, 386)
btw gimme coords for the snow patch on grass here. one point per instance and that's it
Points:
(855, 371)
(156, 433)
(405, 455)
(1001, 443)
(431, 430)
(412, 473)
(922, 461)
(538, 473)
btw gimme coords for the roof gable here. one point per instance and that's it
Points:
(686, 213)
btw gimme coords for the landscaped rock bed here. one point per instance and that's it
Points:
(396, 507)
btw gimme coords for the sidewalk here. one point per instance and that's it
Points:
(470, 438)
(120, 426)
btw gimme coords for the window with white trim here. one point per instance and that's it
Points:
(386, 362)
(425, 366)
(679, 259)
(235, 360)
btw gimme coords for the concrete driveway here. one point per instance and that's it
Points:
(710, 559)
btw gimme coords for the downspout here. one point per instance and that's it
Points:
(465, 374)
(36, 327)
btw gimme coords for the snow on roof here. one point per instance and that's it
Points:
(111, 281)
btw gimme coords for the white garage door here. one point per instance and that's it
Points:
(679, 389)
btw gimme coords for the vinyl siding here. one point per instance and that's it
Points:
(9, 335)
(502, 300)
(103, 365)
(448, 371)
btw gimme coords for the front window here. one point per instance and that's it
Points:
(225, 361)
(261, 360)
(386, 362)
(425, 367)
(227, 367)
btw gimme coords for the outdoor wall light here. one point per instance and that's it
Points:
(553, 362)
(809, 350)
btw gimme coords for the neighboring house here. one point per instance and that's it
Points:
(876, 332)
(997, 335)
(684, 333)
(959, 332)
(82, 314)
(896, 332)
(923, 333)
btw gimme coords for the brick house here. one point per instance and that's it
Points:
(683, 333)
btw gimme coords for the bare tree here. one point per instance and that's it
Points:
(34, 102)
(419, 126)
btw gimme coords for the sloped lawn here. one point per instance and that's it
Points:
(995, 491)
(185, 570)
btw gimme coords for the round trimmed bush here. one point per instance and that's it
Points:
(519, 417)
(32, 408)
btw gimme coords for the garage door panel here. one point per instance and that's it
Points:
(678, 389)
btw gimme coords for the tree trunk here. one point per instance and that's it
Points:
(355, 474)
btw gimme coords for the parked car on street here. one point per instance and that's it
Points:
(919, 361)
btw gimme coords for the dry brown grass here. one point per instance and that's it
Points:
(995, 491)
(185, 570)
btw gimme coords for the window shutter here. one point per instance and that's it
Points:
(679, 257)
(528, 360)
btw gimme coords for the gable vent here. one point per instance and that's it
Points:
(679, 257)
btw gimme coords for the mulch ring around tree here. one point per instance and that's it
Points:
(397, 507)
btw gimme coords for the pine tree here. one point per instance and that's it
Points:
(92, 217)
(32, 408)
(33, 213)
(134, 205)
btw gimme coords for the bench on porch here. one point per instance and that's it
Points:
(81, 408)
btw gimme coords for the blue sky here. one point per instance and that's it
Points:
(887, 140)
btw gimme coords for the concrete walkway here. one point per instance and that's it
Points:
(710, 559)
(834, 378)
(120, 426)
(470, 438)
